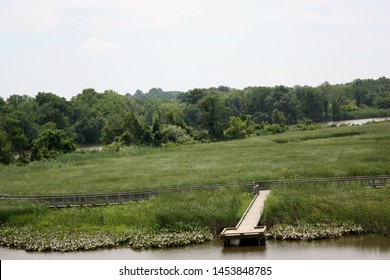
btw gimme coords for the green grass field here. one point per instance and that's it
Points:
(341, 151)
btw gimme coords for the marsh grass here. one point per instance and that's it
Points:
(161, 221)
(332, 205)
(14, 208)
(335, 151)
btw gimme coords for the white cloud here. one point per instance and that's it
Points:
(95, 44)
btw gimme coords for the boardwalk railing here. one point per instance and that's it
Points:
(72, 200)
(373, 181)
(117, 198)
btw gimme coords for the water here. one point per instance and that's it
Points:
(346, 248)
(357, 122)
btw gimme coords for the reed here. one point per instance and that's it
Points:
(164, 220)
(348, 206)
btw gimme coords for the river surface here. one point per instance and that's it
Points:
(346, 248)
(358, 121)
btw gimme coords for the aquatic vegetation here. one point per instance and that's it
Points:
(62, 240)
(168, 239)
(57, 239)
(306, 231)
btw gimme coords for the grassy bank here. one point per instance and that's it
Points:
(341, 151)
(161, 221)
(323, 211)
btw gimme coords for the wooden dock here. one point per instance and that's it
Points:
(247, 227)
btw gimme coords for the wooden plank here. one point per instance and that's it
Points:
(247, 227)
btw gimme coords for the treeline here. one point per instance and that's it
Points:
(48, 124)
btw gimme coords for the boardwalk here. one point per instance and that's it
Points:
(247, 227)
(70, 200)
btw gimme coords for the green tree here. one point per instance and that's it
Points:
(6, 156)
(278, 118)
(310, 104)
(52, 108)
(51, 142)
(192, 96)
(325, 91)
(113, 126)
(212, 114)
(87, 128)
(240, 127)
(170, 113)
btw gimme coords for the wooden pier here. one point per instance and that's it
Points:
(248, 228)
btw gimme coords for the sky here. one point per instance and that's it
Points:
(64, 47)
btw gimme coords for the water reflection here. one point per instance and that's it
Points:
(351, 248)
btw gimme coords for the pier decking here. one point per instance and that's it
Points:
(247, 227)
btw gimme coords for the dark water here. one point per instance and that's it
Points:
(346, 248)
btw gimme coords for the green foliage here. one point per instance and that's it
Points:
(93, 117)
(50, 143)
(240, 127)
(273, 128)
(6, 156)
(212, 114)
(175, 134)
(278, 118)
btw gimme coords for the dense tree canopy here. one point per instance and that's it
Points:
(158, 117)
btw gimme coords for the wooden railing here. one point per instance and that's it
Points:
(373, 181)
(117, 198)
(73, 200)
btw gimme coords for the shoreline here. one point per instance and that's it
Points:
(46, 240)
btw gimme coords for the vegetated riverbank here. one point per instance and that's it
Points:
(165, 220)
(300, 212)
(178, 219)
(309, 212)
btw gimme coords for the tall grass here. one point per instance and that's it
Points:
(182, 211)
(341, 151)
(164, 220)
(9, 209)
(330, 204)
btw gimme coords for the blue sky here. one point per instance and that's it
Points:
(66, 46)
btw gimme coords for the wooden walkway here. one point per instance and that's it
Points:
(99, 199)
(73, 200)
(247, 227)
